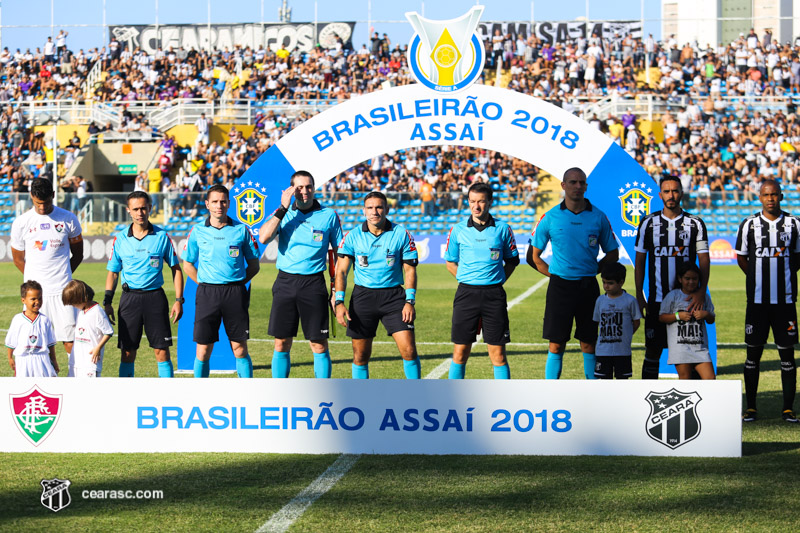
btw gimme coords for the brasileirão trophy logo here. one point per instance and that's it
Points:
(446, 55)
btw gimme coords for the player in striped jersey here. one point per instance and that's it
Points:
(665, 240)
(768, 252)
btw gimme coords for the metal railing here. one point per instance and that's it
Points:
(652, 106)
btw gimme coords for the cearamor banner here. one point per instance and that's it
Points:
(221, 36)
(518, 417)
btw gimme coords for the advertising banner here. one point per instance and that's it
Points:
(518, 417)
(196, 36)
(560, 32)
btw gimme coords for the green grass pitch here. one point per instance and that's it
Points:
(239, 492)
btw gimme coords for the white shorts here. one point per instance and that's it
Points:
(83, 367)
(34, 366)
(62, 316)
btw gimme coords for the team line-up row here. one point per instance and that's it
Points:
(221, 256)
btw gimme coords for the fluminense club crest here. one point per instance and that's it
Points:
(55, 494)
(673, 419)
(446, 55)
(635, 202)
(36, 413)
(250, 202)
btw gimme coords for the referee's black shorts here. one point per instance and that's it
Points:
(569, 300)
(146, 310)
(759, 318)
(480, 305)
(298, 298)
(227, 304)
(655, 331)
(370, 306)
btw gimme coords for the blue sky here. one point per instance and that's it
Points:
(125, 12)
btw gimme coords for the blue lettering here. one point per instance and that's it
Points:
(325, 416)
(400, 114)
(422, 108)
(451, 104)
(485, 111)
(322, 140)
(343, 418)
(466, 133)
(452, 421)
(212, 413)
(267, 417)
(341, 127)
(196, 417)
(380, 116)
(359, 123)
(470, 108)
(166, 416)
(417, 133)
(243, 416)
(302, 414)
(435, 133)
(149, 414)
(430, 417)
(410, 416)
(389, 420)
(450, 132)
(233, 418)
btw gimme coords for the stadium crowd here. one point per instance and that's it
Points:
(709, 143)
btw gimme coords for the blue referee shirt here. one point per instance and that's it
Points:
(220, 254)
(575, 240)
(304, 239)
(378, 260)
(480, 253)
(141, 261)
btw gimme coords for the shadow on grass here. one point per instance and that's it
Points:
(242, 481)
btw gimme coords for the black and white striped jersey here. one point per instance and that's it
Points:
(771, 247)
(668, 244)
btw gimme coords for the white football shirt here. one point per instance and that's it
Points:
(45, 241)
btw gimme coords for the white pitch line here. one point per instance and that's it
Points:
(283, 519)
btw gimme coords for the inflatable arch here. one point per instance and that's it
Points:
(392, 119)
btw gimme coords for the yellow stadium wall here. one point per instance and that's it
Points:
(186, 134)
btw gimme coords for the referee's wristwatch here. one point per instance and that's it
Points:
(181, 300)
(337, 302)
(411, 302)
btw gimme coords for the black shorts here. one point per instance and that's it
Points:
(759, 318)
(655, 331)
(370, 306)
(613, 366)
(146, 310)
(221, 303)
(475, 306)
(299, 298)
(569, 300)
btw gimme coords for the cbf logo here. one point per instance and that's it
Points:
(250, 202)
(673, 419)
(35, 413)
(635, 202)
(446, 55)
(55, 494)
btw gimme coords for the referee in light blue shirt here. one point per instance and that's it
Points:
(481, 254)
(138, 254)
(221, 256)
(305, 231)
(576, 231)
(382, 254)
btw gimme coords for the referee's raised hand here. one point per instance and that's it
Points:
(287, 195)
